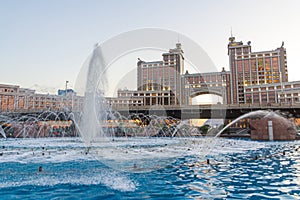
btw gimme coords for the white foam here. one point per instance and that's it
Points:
(111, 179)
(121, 150)
(43, 150)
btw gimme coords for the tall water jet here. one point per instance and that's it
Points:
(94, 105)
(132, 150)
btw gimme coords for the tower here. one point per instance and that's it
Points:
(238, 77)
(254, 68)
(163, 77)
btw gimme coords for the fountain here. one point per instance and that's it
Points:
(2, 132)
(94, 103)
(140, 152)
(114, 139)
(266, 122)
(46, 124)
(150, 143)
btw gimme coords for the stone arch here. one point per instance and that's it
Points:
(215, 92)
(218, 92)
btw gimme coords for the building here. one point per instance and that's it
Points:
(274, 93)
(217, 83)
(254, 78)
(160, 81)
(66, 92)
(127, 98)
(257, 69)
(165, 83)
(16, 99)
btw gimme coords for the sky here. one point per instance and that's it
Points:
(44, 43)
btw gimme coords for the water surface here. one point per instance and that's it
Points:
(238, 169)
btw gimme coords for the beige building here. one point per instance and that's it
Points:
(14, 98)
(160, 81)
(254, 69)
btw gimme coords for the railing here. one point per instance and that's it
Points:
(166, 107)
(211, 106)
(37, 110)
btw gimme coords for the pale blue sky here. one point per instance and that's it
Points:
(45, 42)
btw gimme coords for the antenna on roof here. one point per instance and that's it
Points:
(231, 39)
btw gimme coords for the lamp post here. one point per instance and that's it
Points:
(67, 98)
(66, 87)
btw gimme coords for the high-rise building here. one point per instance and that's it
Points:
(254, 68)
(162, 78)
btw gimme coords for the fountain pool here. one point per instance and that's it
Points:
(238, 169)
(135, 165)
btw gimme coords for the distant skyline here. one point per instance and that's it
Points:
(45, 43)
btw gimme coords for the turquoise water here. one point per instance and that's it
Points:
(238, 169)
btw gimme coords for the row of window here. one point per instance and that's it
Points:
(6, 90)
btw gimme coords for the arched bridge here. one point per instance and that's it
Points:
(219, 91)
(221, 111)
(216, 111)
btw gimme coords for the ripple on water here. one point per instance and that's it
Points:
(232, 174)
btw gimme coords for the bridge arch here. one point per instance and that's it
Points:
(214, 92)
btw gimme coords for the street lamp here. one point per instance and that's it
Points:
(66, 87)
